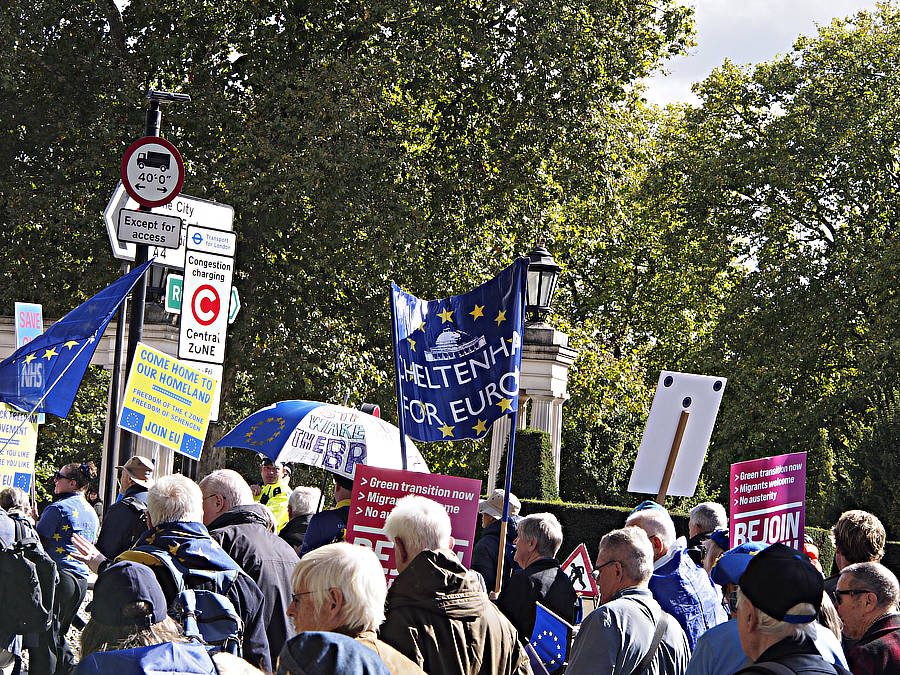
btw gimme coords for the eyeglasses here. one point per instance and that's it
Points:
(850, 591)
(729, 602)
(295, 598)
(596, 571)
(210, 496)
(59, 476)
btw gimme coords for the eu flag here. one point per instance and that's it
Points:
(51, 366)
(459, 357)
(550, 638)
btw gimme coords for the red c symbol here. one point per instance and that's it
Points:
(205, 305)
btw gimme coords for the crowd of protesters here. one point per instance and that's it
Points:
(298, 599)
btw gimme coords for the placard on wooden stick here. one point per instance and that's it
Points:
(677, 434)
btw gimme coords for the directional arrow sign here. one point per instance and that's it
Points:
(191, 210)
(234, 306)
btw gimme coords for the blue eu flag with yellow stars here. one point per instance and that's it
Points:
(43, 375)
(550, 638)
(458, 358)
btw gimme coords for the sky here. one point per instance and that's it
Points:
(744, 31)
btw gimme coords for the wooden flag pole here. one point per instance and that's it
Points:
(673, 456)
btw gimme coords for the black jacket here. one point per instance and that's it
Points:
(800, 657)
(123, 524)
(268, 560)
(542, 581)
(484, 555)
(294, 530)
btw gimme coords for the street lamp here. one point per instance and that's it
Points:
(543, 273)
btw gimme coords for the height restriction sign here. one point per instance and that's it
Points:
(152, 171)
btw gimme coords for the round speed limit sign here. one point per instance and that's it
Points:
(152, 171)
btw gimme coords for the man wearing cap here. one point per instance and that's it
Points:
(275, 490)
(719, 649)
(487, 548)
(329, 527)
(867, 596)
(778, 599)
(126, 520)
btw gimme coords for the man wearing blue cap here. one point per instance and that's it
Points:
(778, 599)
(719, 649)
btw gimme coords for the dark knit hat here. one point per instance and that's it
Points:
(124, 583)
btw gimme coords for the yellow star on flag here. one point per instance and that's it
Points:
(173, 549)
(56, 536)
(66, 528)
(60, 549)
(505, 404)
(501, 317)
(70, 344)
(477, 311)
(412, 343)
(480, 428)
(421, 327)
(446, 315)
(151, 538)
(49, 353)
(30, 358)
(409, 375)
(446, 430)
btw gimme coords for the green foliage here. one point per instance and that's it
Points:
(534, 471)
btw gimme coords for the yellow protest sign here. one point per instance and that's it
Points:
(18, 442)
(167, 401)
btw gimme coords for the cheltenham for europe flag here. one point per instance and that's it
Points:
(51, 366)
(459, 357)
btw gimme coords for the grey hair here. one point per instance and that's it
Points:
(875, 577)
(545, 530)
(355, 570)
(632, 548)
(656, 523)
(304, 500)
(175, 498)
(230, 485)
(773, 627)
(14, 499)
(708, 516)
(421, 523)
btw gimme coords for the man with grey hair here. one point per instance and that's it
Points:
(629, 632)
(341, 588)
(778, 600)
(302, 504)
(867, 596)
(703, 520)
(681, 588)
(540, 578)
(240, 526)
(438, 614)
(176, 529)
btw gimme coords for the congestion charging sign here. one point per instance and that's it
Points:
(208, 269)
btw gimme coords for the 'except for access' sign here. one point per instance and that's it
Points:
(167, 401)
(153, 229)
(205, 298)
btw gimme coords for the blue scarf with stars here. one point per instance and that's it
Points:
(189, 544)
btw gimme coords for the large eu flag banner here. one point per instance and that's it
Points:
(459, 357)
(51, 366)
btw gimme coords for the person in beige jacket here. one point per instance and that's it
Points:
(341, 588)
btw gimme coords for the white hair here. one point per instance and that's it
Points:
(631, 547)
(421, 523)
(304, 500)
(230, 485)
(545, 530)
(708, 516)
(782, 629)
(656, 523)
(356, 571)
(175, 498)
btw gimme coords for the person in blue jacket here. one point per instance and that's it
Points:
(69, 515)
(329, 527)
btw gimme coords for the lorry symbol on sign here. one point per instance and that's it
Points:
(158, 160)
(205, 305)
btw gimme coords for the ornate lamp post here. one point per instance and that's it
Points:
(543, 274)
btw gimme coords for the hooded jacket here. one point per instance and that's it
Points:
(321, 653)
(438, 616)
(268, 559)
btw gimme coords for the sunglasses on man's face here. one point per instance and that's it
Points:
(851, 591)
(59, 476)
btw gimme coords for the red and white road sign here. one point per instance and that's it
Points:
(152, 171)
(578, 568)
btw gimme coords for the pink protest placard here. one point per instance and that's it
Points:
(768, 500)
(375, 491)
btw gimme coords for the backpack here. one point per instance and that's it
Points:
(201, 605)
(141, 520)
(29, 583)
